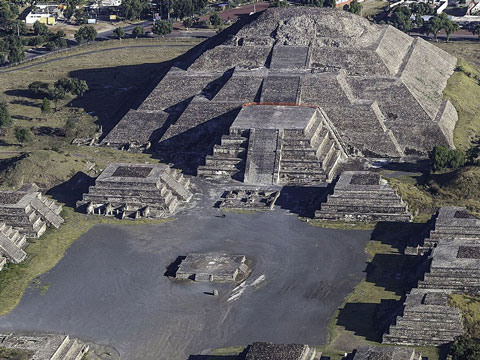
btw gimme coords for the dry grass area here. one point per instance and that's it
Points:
(468, 50)
(117, 75)
(372, 7)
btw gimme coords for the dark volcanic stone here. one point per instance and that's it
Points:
(463, 214)
(365, 179)
(468, 252)
(132, 171)
(10, 198)
(270, 351)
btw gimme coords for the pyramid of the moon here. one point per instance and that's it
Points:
(293, 93)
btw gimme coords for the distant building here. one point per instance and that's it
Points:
(45, 13)
(111, 2)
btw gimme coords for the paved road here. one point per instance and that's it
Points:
(110, 286)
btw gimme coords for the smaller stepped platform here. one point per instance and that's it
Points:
(11, 244)
(28, 211)
(45, 346)
(363, 196)
(386, 353)
(455, 266)
(213, 267)
(452, 222)
(250, 199)
(267, 351)
(427, 320)
(137, 190)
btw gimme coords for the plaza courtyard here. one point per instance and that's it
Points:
(110, 286)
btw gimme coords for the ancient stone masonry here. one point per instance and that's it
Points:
(267, 351)
(281, 145)
(137, 190)
(213, 267)
(452, 222)
(27, 211)
(426, 320)
(348, 71)
(386, 353)
(363, 196)
(45, 346)
(455, 266)
(246, 199)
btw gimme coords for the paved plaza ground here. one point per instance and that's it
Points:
(110, 286)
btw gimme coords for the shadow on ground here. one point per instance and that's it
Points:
(71, 190)
(399, 235)
(302, 200)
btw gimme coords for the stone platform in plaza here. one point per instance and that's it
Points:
(213, 267)
(249, 199)
(363, 196)
(425, 320)
(137, 190)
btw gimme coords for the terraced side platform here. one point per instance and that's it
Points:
(455, 266)
(386, 353)
(28, 211)
(363, 196)
(45, 346)
(267, 350)
(136, 190)
(426, 320)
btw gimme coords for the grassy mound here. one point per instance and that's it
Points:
(463, 90)
(426, 194)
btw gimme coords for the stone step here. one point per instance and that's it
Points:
(305, 179)
(9, 250)
(233, 140)
(222, 151)
(3, 262)
(363, 208)
(213, 171)
(332, 165)
(224, 162)
(364, 201)
(354, 216)
(298, 154)
(322, 142)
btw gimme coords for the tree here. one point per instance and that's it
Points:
(23, 135)
(465, 348)
(450, 27)
(476, 30)
(182, 8)
(79, 87)
(56, 94)
(444, 158)
(355, 7)
(315, 3)
(134, 9)
(188, 23)
(401, 18)
(40, 29)
(215, 20)
(138, 31)
(3, 59)
(46, 108)
(119, 33)
(5, 119)
(198, 5)
(16, 54)
(38, 87)
(433, 26)
(278, 3)
(162, 28)
(86, 33)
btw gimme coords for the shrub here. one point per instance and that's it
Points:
(444, 158)
(5, 119)
(23, 135)
(465, 348)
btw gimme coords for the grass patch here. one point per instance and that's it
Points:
(44, 253)
(463, 90)
(470, 308)
(467, 50)
(427, 193)
(371, 8)
(15, 354)
(340, 224)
